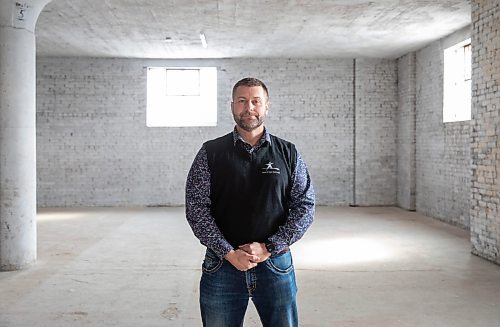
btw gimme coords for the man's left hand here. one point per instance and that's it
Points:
(256, 248)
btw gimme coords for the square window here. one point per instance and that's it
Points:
(181, 96)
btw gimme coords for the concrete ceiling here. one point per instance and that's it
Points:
(259, 28)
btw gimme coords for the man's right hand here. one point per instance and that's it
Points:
(242, 260)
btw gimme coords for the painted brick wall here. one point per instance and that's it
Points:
(442, 150)
(313, 108)
(406, 132)
(94, 148)
(485, 199)
(376, 108)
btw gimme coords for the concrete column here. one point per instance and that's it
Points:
(17, 132)
(406, 124)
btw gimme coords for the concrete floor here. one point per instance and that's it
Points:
(355, 267)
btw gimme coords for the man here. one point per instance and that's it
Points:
(248, 198)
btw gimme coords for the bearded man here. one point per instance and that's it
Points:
(249, 197)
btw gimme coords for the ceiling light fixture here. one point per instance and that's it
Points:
(203, 40)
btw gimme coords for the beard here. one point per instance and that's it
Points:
(247, 124)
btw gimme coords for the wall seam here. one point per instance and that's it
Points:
(354, 202)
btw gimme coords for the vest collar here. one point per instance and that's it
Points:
(266, 137)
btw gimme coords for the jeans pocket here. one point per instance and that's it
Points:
(281, 263)
(211, 263)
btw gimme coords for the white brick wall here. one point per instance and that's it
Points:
(94, 148)
(485, 198)
(376, 108)
(442, 150)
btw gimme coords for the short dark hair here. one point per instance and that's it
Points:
(250, 81)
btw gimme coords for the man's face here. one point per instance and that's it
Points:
(249, 107)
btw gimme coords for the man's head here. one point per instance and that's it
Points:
(250, 103)
(248, 82)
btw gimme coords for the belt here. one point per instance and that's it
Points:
(285, 250)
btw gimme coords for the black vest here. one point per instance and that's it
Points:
(250, 192)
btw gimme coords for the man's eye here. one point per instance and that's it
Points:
(256, 101)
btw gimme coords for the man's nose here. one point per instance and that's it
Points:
(249, 106)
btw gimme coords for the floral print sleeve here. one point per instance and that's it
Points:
(198, 207)
(301, 213)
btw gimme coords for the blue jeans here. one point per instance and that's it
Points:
(224, 292)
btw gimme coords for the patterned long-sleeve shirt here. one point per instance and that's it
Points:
(198, 213)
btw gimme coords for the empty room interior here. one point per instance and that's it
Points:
(394, 106)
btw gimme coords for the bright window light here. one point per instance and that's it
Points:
(181, 96)
(183, 82)
(457, 82)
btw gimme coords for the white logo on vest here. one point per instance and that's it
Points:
(269, 169)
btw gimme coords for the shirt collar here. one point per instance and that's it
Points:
(266, 137)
